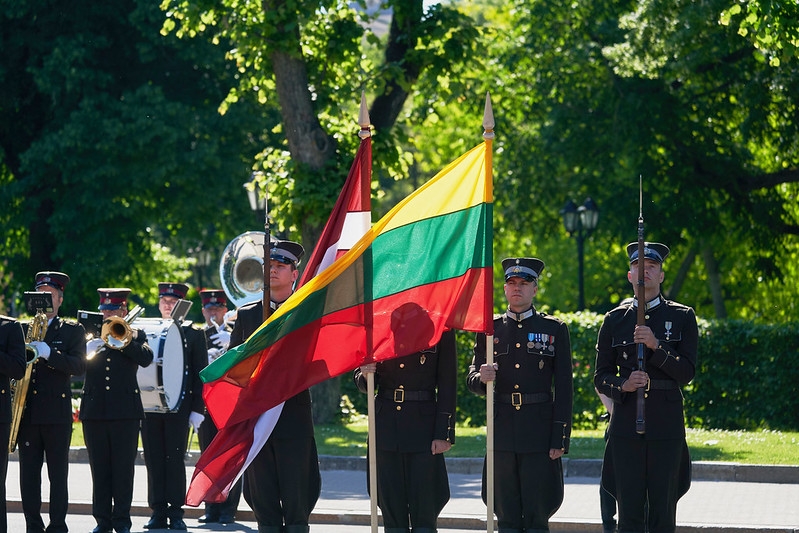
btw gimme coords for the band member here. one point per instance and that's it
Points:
(217, 333)
(165, 435)
(654, 468)
(414, 425)
(12, 366)
(111, 412)
(532, 404)
(283, 482)
(46, 428)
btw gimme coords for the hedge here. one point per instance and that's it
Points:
(747, 376)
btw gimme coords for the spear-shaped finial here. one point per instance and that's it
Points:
(488, 119)
(363, 119)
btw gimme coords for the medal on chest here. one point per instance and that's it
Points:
(668, 325)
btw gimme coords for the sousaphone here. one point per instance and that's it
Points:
(241, 268)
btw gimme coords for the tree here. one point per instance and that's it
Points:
(111, 142)
(305, 56)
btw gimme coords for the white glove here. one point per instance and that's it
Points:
(195, 419)
(93, 346)
(213, 354)
(221, 339)
(42, 348)
(369, 368)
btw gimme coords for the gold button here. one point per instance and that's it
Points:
(518, 365)
(518, 345)
(399, 408)
(402, 365)
(107, 387)
(519, 325)
(515, 386)
(107, 378)
(63, 395)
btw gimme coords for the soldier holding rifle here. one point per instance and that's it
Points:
(648, 466)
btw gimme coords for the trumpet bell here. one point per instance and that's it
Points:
(241, 268)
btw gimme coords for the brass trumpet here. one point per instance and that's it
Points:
(116, 332)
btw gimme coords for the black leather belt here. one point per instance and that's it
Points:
(402, 395)
(662, 384)
(518, 398)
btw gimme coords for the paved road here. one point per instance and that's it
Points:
(709, 507)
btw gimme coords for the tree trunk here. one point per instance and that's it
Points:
(714, 280)
(326, 401)
(682, 274)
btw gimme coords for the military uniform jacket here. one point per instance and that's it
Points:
(415, 401)
(669, 367)
(50, 392)
(12, 362)
(110, 389)
(533, 389)
(296, 419)
(196, 358)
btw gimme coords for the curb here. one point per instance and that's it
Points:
(574, 468)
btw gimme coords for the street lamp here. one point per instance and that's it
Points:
(580, 222)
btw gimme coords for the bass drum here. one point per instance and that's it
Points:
(161, 383)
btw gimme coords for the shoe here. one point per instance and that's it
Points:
(208, 519)
(226, 519)
(177, 523)
(123, 530)
(101, 529)
(156, 523)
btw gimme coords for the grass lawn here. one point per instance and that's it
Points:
(762, 447)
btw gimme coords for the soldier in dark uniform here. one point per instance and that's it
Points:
(414, 425)
(111, 413)
(46, 427)
(12, 366)
(532, 402)
(654, 468)
(283, 482)
(217, 337)
(165, 435)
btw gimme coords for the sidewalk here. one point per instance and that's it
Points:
(715, 503)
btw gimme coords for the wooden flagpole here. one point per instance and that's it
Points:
(488, 135)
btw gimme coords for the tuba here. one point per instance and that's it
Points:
(19, 387)
(241, 268)
(116, 332)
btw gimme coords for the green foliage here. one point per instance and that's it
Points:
(746, 376)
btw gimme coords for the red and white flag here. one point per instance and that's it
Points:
(233, 449)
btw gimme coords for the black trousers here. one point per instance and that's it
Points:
(412, 488)
(227, 508)
(35, 442)
(112, 446)
(283, 483)
(528, 490)
(164, 439)
(5, 432)
(647, 483)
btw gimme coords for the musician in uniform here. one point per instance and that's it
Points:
(283, 482)
(217, 338)
(111, 413)
(12, 366)
(165, 435)
(532, 372)
(652, 468)
(414, 425)
(45, 431)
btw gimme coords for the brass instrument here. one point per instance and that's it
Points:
(241, 268)
(116, 332)
(19, 387)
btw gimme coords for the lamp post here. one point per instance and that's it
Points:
(258, 203)
(580, 222)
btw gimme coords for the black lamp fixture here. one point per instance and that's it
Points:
(580, 222)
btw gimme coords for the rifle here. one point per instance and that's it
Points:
(640, 419)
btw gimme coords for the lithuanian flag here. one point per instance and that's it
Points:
(422, 269)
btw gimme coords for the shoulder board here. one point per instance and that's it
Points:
(677, 305)
(5, 318)
(70, 322)
(499, 316)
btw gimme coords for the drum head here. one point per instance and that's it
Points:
(173, 367)
(161, 383)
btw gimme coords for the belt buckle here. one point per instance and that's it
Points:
(516, 399)
(399, 395)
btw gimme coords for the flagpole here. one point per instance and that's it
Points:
(365, 132)
(267, 296)
(488, 135)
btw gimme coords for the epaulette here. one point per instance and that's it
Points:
(7, 318)
(70, 321)
(498, 316)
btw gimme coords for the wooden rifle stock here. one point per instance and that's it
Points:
(640, 415)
